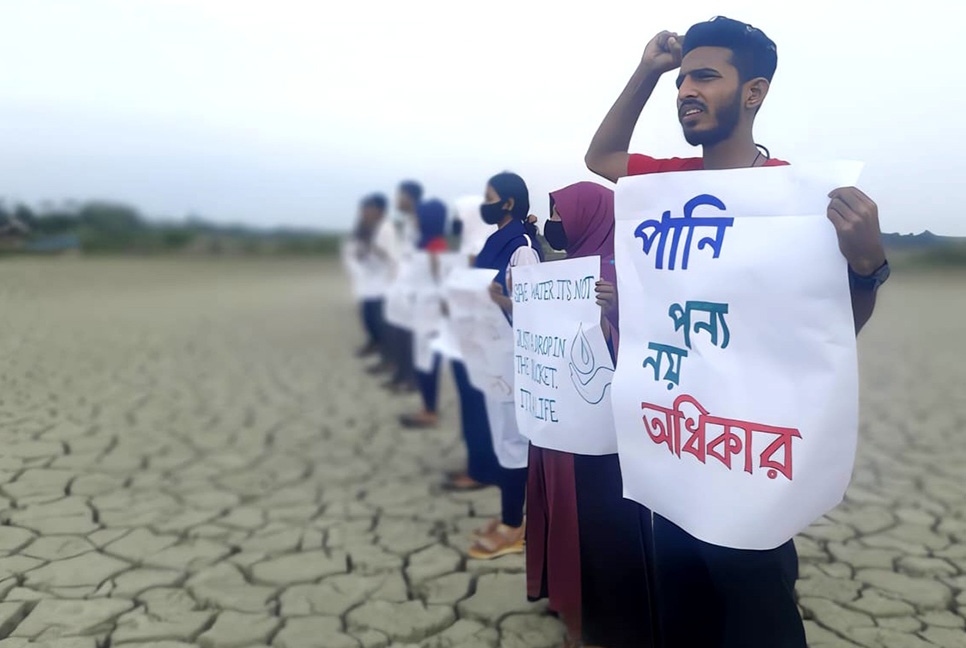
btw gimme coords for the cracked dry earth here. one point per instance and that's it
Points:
(192, 457)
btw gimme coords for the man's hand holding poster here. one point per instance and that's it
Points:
(736, 394)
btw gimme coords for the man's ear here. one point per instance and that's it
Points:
(755, 92)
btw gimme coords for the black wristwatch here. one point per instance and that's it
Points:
(870, 282)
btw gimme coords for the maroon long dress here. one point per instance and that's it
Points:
(553, 568)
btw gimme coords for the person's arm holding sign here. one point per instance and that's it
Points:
(500, 297)
(856, 220)
(607, 300)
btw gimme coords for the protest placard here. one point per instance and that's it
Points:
(429, 322)
(427, 308)
(444, 342)
(562, 366)
(401, 293)
(369, 274)
(483, 335)
(736, 392)
(485, 341)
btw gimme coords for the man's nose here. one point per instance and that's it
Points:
(687, 90)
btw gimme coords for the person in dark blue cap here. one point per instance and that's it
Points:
(707, 595)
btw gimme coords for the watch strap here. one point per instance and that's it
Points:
(869, 282)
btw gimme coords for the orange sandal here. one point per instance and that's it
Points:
(462, 483)
(501, 541)
(419, 421)
(486, 529)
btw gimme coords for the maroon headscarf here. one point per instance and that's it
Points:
(587, 212)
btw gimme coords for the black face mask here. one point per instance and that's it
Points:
(457, 228)
(554, 232)
(492, 213)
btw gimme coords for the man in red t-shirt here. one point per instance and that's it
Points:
(708, 595)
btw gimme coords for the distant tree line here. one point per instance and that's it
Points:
(103, 227)
(925, 250)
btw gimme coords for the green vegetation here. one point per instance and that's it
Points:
(925, 251)
(944, 256)
(102, 227)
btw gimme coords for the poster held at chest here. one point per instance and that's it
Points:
(562, 367)
(485, 342)
(432, 271)
(401, 293)
(736, 393)
(444, 343)
(369, 274)
(482, 334)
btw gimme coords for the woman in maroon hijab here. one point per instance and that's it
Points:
(585, 542)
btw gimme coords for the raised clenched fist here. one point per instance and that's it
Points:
(663, 53)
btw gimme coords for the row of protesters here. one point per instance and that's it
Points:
(488, 236)
(617, 574)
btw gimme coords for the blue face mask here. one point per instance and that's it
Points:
(556, 237)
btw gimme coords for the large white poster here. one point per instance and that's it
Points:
(401, 293)
(444, 342)
(369, 274)
(428, 319)
(483, 335)
(562, 367)
(736, 393)
(485, 341)
(427, 308)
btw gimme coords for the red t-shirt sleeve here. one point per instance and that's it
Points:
(638, 164)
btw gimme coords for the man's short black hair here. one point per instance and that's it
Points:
(412, 189)
(753, 54)
(376, 200)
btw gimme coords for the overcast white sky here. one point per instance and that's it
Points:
(285, 112)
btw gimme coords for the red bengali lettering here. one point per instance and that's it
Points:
(784, 441)
(668, 430)
(664, 427)
(695, 443)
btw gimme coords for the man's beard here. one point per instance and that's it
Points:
(727, 118)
